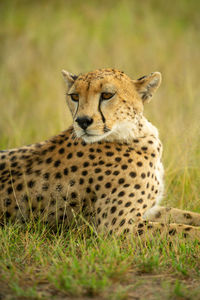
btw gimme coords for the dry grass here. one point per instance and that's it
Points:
(38, 39)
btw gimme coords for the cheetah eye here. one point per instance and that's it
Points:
(106, 96)
(74, 97)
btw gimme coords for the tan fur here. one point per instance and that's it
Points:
(110, 172)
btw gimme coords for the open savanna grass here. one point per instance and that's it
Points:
(38, 264)
(39, 39)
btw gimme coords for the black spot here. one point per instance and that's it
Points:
(51, 148)
(109, 153)
(19, 187)
(86, 164)
(69, 144)
(49, 160)
(98, 210)
(128, 204)
(108, 185)
(97, 170)
(121, 181)
(103, 196)
(137, 186)
(116, 173)
(74, 168)
(118, 159)
(13, 165)
(126, 185)
(104, 215)
(143, 175)
(79, 154)
(100, 178)
(131, 195)
(107, 146)
(151, 164)
(140, 200)
(97, 187)
(72, 183)
(139, 163)
(84, 173)
(2, 166)
(69, 156)
(39, 198)
(44, 152)
(31, 183)
(133, 174)
(113, 209)
(113, 191)
(108, 172)
(109, 165)
(9, 190)
(65, 171)
(126, 154)
(144, 148)
(172, 232)
(45, 186)
(57, 163)
(124, 167)
(7, 214)
(140, 232)
(90, 180)
(38, 172)
(7, 202)
(72, 204)
(61, 150)
(130, 160)
(114, 221)
(121, 194)
(73, 195)
(101, 162)
(122, 222)
(81, 181)
(58, 175)
(91, 156)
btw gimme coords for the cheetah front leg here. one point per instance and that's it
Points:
(149, 230)
(172, 215)
(117, 222)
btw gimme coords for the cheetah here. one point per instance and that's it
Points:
(106, 167)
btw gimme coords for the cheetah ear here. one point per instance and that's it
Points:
(147, 85)
(69, 78)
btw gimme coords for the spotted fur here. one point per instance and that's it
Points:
(106, 167)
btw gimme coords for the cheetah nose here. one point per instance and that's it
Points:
(84, 122)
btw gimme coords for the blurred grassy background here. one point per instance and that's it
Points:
(40, 38)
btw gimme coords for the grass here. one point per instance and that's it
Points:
(40, 264)
(38, 40)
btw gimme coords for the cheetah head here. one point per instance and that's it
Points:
(106, 104)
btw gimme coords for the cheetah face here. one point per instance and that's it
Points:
(107, 103)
